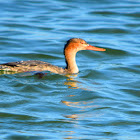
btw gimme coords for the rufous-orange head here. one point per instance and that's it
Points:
(71, 48)
(77, 44)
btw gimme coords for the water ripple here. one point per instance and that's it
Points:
(101, 101)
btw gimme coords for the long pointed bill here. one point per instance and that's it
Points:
(89, 47)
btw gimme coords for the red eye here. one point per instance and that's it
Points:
(83, 43)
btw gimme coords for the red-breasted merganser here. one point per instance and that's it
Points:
(71, 48)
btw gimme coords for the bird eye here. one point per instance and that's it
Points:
(83, 43)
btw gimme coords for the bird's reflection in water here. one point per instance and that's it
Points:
(82, 105)
(70, 135)
(73, 83)
(82, 114)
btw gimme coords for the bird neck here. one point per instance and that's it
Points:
(70, 58)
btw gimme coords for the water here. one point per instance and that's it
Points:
(102, 101)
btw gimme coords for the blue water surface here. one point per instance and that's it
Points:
(102, 101)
